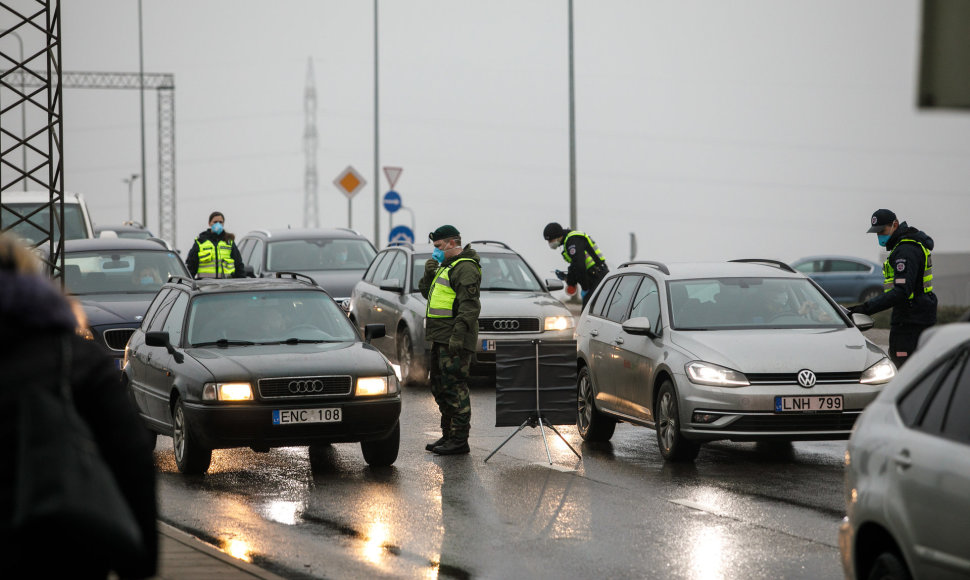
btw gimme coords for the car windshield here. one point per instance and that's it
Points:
(731, 303)
(267, 317)
(120, 271)
(32, 231)
(319, 254)
(500, 273)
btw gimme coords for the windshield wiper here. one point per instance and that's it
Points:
(294, 340)
(224, 342)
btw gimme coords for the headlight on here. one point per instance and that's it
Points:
(84, 332)
(704, 373)
(372, 386)
(559, 322)
(227, 392)
(879, 373)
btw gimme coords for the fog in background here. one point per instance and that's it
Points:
(711, 129)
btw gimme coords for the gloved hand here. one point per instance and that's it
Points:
(456, 345)
(431, 265)
(561, 275)
(583, 293)
(857, 309)
(570, 290)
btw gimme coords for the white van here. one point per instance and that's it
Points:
(77, 220)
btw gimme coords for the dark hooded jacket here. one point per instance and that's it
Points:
(192, 260)
(34, 320)
(466, 280)
(908, 264)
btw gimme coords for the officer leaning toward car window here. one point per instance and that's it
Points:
(907, 283)
(451, 283)
(587, 266)
(214, 253)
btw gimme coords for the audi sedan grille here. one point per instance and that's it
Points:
(305, 387)
(508, 325)
(117, 338)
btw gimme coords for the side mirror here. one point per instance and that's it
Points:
(553, 284)
(392, 285)
(158, 338)
(372, 331)
(863, 321)
(639, 326)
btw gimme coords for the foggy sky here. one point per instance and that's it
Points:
(711, 129)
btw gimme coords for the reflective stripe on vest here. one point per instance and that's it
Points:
(215, 261)
(590, 261)
(441, 296)
(889, 274)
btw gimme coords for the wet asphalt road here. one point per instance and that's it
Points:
(741, 511)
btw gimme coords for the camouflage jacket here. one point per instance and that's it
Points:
(466, 280)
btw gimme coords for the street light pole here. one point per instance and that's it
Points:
(573, 221)
(377, 148)
(130, 181)
(141, 90)
(23, 103)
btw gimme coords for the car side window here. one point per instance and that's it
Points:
(957, 423)
(245, 250)
(374, 265)
(156, 322)
(932, 421)
(848, 266)
(647, 301)
(398, 268)
(622, 297)
(602, 299)
(174, 321)
(256, 260)
(810, 267)
(913, 401)
(153, 308)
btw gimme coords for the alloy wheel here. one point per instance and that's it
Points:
(585, 403)
(178, 433)
(666, 420)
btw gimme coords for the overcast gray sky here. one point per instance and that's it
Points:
(711, 129)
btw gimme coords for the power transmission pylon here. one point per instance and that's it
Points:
(311, 209)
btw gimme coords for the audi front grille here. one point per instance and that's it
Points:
(508, 325)
(285, 387)
(117, 338)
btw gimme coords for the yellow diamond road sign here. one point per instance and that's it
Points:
(349, 181)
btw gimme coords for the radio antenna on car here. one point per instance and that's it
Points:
(767, 262)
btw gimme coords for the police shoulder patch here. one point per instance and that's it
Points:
(900, 265)
(572, 250)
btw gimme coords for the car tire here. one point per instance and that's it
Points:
(411, 372)
(888, 566)
(383, 452)
(870, 293)
(592, 425)
(191, 458)
(673, 445)
(322, 457)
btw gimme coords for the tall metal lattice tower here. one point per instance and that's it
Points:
(311, 210)
(31, 151)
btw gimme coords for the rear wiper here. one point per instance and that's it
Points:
(224, 342)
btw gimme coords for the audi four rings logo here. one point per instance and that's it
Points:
(505, 325)
(297, 387)
(806, 378)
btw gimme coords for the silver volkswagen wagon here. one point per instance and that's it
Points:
(744, 350)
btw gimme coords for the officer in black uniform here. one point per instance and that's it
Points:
(587, 266)
(907, 283)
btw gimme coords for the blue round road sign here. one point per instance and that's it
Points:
(392, 201)
(400, 234)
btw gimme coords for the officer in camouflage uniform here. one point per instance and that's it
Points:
(451, 283)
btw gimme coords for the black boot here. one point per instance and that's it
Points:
(452, 446)
(432, 445)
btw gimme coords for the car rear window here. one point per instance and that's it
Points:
(319, 254)
(120, 271)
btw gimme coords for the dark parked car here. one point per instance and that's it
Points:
(335, 258)
(260, 363)
(845, 279)
(115, 280)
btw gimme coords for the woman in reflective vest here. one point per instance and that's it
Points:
(214, 253)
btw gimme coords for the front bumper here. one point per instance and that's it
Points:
(250, 424)
(748, 413)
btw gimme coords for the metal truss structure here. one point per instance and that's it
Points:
(32, 87)
(164, 85)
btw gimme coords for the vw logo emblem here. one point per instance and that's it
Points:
(806, 378)
(505, 325)
(305, 386)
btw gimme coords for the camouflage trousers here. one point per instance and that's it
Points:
(449, 385)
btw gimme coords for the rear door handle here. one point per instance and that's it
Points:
(594, 333)
(903, 460)
(619, 340)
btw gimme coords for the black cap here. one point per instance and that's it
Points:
(552, 231)
(443, 233)
(880, 219)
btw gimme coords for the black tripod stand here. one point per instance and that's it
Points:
(536, 419)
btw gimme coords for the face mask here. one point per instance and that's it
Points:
(438, 255)
(217, 228)
(883, 239)
(147, 279)
(553, 244)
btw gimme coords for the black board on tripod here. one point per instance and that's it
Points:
(515, 382)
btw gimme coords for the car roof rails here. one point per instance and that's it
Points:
(183, 280)
(495, 242)
(658, 265)
(407, 245)
(767, 262)
(297, 276)
(353, 231)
